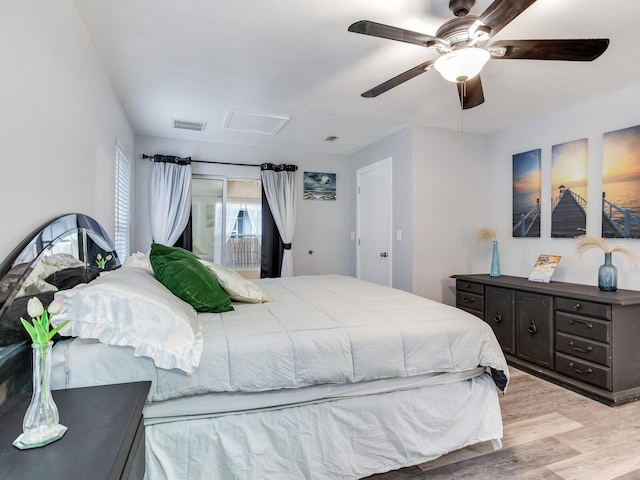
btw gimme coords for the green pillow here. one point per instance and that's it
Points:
(181, 272)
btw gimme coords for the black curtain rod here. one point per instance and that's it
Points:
(187, 160)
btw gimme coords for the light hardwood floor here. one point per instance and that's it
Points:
(550, 433)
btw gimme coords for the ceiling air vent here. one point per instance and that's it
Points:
(331, 138)
(189, 125)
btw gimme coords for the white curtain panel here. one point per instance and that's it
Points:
(217, 234)
(233, 208)
(280, 190)
(255, 217)
(170, 201)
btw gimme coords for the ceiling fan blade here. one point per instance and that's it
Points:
(397, 80)
(374, 29)
(576, 50)
(501, 12)
(470, 93)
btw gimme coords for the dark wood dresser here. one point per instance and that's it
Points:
(104, 440)
(573, 335)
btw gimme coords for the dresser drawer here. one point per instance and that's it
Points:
(585, 349)
(470, 287)
(579, 307)
(467, 300)
(583, 326)
(584, 371)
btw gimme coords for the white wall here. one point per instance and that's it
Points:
(321, 226)
(59, 123)
(438, 197)
(450, 201)
(399, 147)
(588, 120)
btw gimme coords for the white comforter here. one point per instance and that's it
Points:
(317, 329)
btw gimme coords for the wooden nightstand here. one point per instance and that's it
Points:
(105, 439)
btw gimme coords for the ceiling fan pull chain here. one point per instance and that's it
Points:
(463, 86)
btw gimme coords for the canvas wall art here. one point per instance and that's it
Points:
(569, 189)
(526, 194)
(621, 183)
(319, 186)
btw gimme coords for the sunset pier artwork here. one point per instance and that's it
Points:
(569, 216)
(569, 176)
(617, 221)
(526, 194)
(621, 183)
(529, 223)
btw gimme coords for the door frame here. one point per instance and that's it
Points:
(384, 163)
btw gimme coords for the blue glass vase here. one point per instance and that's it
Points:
(495, 261)
(608, 275)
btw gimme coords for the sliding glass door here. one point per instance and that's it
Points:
(207, 199)
(227, 222)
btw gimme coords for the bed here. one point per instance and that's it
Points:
(325, 377)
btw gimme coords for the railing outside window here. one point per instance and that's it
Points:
(242, 252)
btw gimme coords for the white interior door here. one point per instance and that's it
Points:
(374, 223)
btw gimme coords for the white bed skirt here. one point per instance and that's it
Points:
(343, 439)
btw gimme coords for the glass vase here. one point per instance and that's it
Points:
(495, 261)
(608, 275)
(41, 421)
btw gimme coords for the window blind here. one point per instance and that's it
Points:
(122, 203)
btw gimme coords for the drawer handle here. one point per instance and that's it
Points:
(587, 324)
(577, 306)
(498, 317)
(532, 328)
(466, 285)
(468, 300)
(578, 349)
(581, 372)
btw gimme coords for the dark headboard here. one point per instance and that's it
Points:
(73, 238)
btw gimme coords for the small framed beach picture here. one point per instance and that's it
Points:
(544, 268)
(319, 186)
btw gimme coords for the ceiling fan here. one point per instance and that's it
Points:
(463, 45)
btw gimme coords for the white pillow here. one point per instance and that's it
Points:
(138, 259)
(238, 287)
(129, 307)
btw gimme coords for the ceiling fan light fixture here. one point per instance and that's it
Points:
(462, 64)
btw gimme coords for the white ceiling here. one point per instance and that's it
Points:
(197, 60)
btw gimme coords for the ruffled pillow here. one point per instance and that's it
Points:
(129, 307)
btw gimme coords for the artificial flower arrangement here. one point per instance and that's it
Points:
(485, 235)
(41, 421)
(38, 328)
(587, 242)
(102, 261)
(607, 273)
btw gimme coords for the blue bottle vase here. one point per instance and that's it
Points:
(608, 275)
(495, 261)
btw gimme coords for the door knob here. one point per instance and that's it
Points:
(383, 254)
